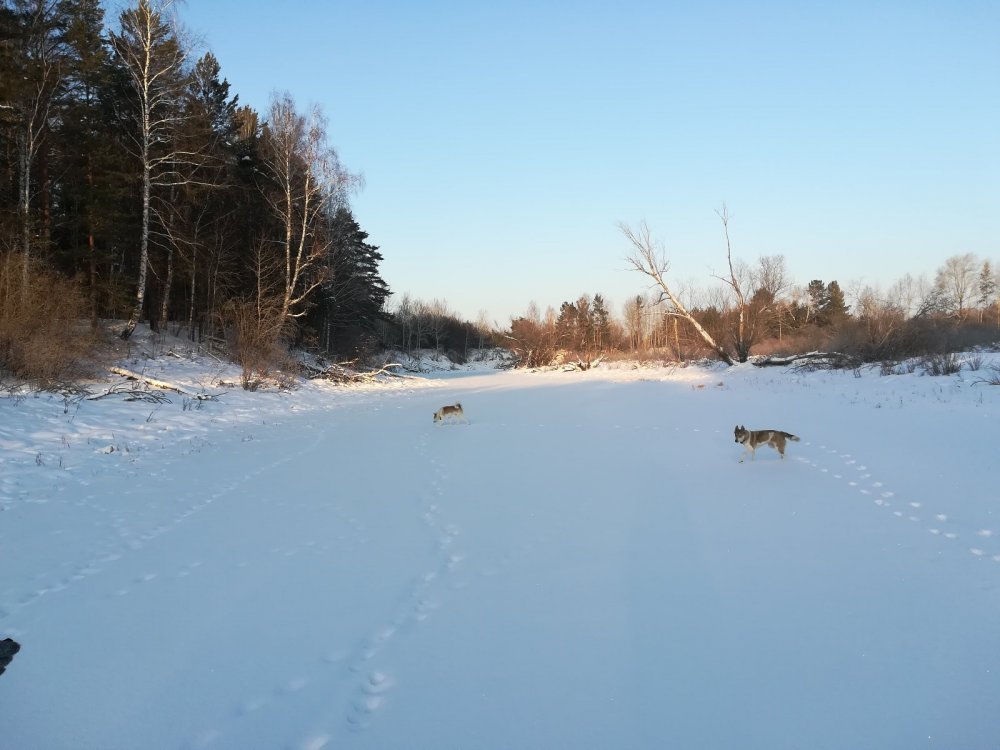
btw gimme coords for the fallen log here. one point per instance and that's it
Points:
(160, 384)
(810, 361)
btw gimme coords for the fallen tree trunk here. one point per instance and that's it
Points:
(811, 360)
(160, 384)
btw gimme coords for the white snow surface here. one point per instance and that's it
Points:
(586, 564)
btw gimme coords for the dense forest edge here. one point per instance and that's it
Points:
(136, 189)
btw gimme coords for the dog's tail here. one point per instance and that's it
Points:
(790, 436)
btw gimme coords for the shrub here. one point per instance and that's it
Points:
(993, 379)
(941, 364)
(257, 341)
(44, 336)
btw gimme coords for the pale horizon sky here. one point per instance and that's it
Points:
(501, 145)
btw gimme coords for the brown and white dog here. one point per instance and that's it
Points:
(453, 412)
(752, 439)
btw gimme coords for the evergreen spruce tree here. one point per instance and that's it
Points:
(817, 298)
(92, 187)
(987, 287)
(350, 304)
(834, 310)
(567, 325)
(601, 324)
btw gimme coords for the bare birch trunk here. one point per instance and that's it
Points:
(140, 294)
(647, 261)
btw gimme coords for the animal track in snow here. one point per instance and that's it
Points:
(877, 487)
(370, 699)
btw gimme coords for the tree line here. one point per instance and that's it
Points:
(757, 309)
(136, 184)
(136, 187)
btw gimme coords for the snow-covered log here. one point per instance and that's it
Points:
(160, 384)
(810, 360)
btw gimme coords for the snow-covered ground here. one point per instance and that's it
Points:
(584, 565)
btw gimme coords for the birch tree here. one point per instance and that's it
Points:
(153, 58)
(35, 78)
(648, 259)
(308, 185)
(755, 291)
(955, 284)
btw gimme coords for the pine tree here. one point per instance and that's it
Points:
(351, 300)
(601, 324)
(816, 295)
(194, 216)
(567, 325)
(987, 288)
(92, 185)
(834, 310)
(210, 97)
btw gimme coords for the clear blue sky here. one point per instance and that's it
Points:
(502, 143)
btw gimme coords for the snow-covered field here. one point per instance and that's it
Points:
(584, 565)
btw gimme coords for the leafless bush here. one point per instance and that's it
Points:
(532, 341)
(256, 338)
(44, 338)
(974, 361)
(993, 379)
(941, 364)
